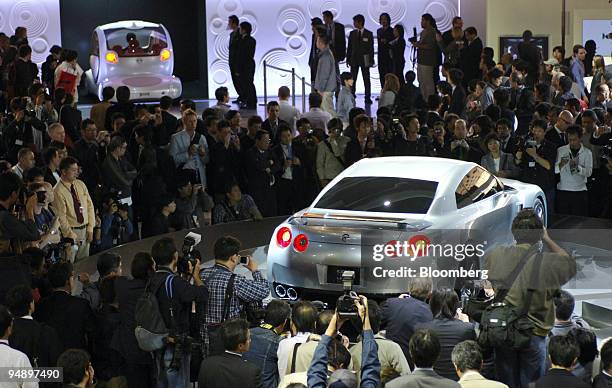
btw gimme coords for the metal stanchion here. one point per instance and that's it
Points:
(265, 71)
(293, 86)
(303, 94)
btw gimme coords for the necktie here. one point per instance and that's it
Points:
(77, 205)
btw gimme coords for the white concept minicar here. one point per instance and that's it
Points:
(136, 54)
(385, 200)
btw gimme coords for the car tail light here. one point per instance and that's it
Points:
(112, 57)
(283, 237)
(164, 55)
(300, 244)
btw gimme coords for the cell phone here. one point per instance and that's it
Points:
(41, 196)
(244, 260)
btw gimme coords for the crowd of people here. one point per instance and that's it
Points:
(71, 186)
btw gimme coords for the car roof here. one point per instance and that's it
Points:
(129, 24)
(412, 167)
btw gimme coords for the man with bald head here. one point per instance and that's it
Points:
(460, 147)
(556, 134)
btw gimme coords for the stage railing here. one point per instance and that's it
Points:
(293, 77)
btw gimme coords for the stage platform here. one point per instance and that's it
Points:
(592, 286)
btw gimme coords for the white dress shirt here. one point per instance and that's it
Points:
(574, 179)
(285, 350)
(288, 173)
(13, 358)
(289, 114)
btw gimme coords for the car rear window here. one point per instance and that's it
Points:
(380, 194)
(149, 41)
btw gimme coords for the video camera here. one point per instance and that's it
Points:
(522, 143)
(414, 37)
(188, 254)
(345, 306)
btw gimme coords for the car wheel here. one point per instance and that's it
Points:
(540, 210)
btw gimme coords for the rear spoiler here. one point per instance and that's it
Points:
(402, 223)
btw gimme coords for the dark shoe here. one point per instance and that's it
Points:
(368, 100)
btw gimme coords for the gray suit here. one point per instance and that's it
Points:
(325, 80)
(506, 163)
(422, 378)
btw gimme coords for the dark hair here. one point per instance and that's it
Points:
(606, 356)
(18, 300)
(85, 123)
(590, 113)
(577, 47)
(107, 290)
(226, 247)
(208, 120)
(565, 83)
(334, 123)
(108, 92)
(247, 27)
(234, 19)
(254, 120)
(163, 251)
(587, 344)
(489, 137)
(230, 114)
(540, 123)
(574, 130)
(410, 77)
(563, 350)
(527, 35)
(467, 355)
(338, 355)
(434, 101)
(345, 76)
(59, 274)
(359, 19)
(277, 312)
(36, 257)
(234, 332)
(304, 316)
(74, 363)
(361, 119)
(494, 74)
(284, 92)
(561, 49)
(385, 14)
(271, 104)
(260, 134)
(221, 92)
(24, 50)
(543, 90)
(6, 319)
(32, 174)
(543, 108)
(573, 103)
(165, 102)
(430, 19)
(142, 266)
(48, 154)
(188, 104)
(503, 122)
(424, 348)
(501, 97)
(456, 76)
(108, 262)
(324, 38)
(283, 127)
(328, 13)
(444, 303)
(471, 31)
(322, 322)
(401, 31)
(527, 227)
(123, 94)
(223, 124)
(115, 143)
(116, 116)
(316, 21)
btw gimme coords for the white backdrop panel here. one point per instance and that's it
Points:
(283, 33)
(40, 17)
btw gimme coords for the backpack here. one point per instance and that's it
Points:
(151, 330)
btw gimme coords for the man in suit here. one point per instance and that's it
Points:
(530, 53)
(318, 28)
(604, 379)
(260, 171)
(467, 359)
(233, 24)
(563, 352)
(384, 35)
(360, 54)
(461, 148)
(469, 61)
(70, 316)
(169, 122)
(37, 340)
(424, 350)
(401, 315)
(556, 135)
(289, 176)
(337, 42)
(230, 369)
(409, 97)
(272, 123)
(245, 67)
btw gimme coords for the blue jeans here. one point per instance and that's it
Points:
(172, 378)
(517, 368)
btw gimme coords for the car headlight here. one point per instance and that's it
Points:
(112, 57)
(164, 55)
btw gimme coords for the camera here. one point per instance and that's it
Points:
(606, 151)
(346, 303)
(523, 143)
(244, 260)
(189, 255)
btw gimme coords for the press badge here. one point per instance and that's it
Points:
(532, 164)
(19, 142)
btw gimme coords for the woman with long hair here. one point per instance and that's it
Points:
(392, 86)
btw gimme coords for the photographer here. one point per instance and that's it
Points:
(116, 227)
(529, 290)
(230, 294)
(178, 295)
(370, 370)
(25, 130)
(14, 230)
(536, 158)
(363, 145)
(46, 222)
(602, 136)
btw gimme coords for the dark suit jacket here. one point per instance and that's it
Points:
(358, 48)
(531, 54)
(267, 126)
(36, 340)
(245, 58)
(338, 44)
(71, 317)
(422, 379)
(458, 101)
(49, 177)
(127, 110)
(400, 316)
(353, 152)
(297, 172)
(432, 118)
(602, 381)
(233, 48)
(258, 179)
(470, 60)
(555, 378)
(450, 333)
(553, 136)
(163, 133)
(409, 98)
(384, 48)
(228, 370)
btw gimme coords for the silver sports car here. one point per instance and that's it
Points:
(405, 204)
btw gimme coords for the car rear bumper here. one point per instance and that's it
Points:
(147, 87)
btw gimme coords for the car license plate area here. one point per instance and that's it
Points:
(334, 274)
